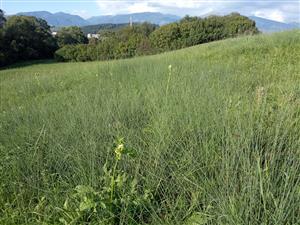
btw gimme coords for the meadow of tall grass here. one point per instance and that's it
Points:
(204, 135)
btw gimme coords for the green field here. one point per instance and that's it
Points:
(215, 137)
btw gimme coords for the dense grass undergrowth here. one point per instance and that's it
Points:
(204, 135)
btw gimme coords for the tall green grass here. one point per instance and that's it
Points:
(216, 136)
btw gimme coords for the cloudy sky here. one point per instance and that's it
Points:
(279, 10)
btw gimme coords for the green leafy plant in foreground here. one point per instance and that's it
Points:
(119, 200)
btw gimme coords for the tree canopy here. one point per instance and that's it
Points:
(24, 38)
(2, 18)
(71, 36)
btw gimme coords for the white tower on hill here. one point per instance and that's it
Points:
(130, 22)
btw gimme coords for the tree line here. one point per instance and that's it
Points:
(93, 29)
(145, 39)
(26, 38)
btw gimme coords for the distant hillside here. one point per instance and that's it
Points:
(59, 19)
(93, 29)
(155, 18)
(269, 26)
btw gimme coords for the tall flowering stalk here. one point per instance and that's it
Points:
(118, 155)
(169, 79)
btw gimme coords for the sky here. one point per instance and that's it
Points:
(278, 10)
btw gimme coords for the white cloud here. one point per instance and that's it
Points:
(83, 13)
(187, 4)
(275, 10)
(119, 7)
(272, 14)
(131, 6)
(141, 7)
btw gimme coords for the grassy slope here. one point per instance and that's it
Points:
(223, 141)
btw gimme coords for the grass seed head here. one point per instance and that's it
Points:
(260, 94)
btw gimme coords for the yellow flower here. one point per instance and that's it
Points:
(119, 150)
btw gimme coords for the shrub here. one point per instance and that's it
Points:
(67, 53)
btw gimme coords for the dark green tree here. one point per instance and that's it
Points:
(107, 34)
(188, 18)
(128, 47)
(237, 24)
(2, 18)
(145, 29)
(71, 36)
(2, 44)
(27, 38)
(3, 54)
(166, 37)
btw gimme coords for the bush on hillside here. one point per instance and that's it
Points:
(166, 37)
(124, 43)
(71, 36)
(145, 39)
(73, 53)
(192, 31)
(104, 50)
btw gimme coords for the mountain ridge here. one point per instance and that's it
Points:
(58, 19)
(153, 17)
(269, 26)
(61, 19)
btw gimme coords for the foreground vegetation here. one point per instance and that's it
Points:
(204, 135)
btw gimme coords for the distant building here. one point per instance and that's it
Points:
(93, 36)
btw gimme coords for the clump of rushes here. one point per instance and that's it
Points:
(120, 198)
